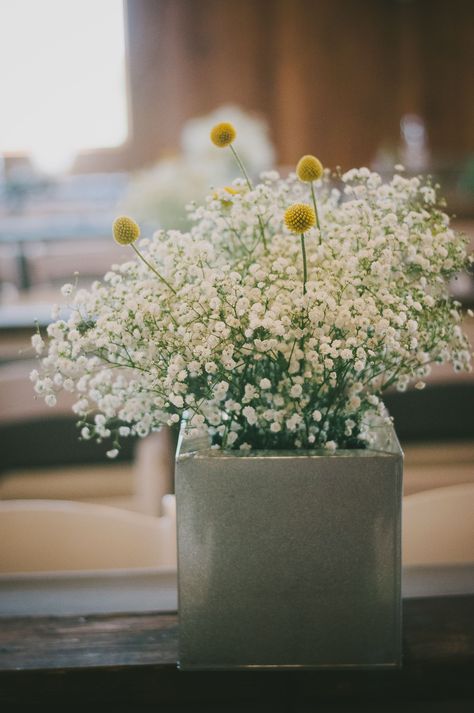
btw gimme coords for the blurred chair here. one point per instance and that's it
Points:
(437, 465)
(18, 401)
(442, 412)
(55, 262)
(154, 469)
(438, 526)
(48, 536)
(42, 457)
(9, 270)
(436, 430)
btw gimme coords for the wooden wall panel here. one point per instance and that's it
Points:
(189, 56)
(334, 80)
(445, 30)
(333, 77)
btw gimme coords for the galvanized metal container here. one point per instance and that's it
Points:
(289, 559)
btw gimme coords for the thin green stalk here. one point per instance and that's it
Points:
(236, 234)
(313, 196)
(291, 354)
(305, 268)
(249, 184)
(150, 266)
(242, 167)
(262, 233)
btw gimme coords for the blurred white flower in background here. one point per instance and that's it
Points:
(159, 195)
(253, 142)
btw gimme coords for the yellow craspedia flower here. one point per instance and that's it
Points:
(223, 134)
(299, 217)
(228, 189)
(309, 168)
(125, 230)
(231, 191)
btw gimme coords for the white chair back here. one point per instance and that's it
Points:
(47, 536)
(438, 526)
(18, 401)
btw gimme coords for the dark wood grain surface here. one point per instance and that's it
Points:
(128, 662)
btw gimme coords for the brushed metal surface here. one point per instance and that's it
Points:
(289, 559)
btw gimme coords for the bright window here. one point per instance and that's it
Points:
(62, 77)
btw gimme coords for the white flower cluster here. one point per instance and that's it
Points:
(235, 340)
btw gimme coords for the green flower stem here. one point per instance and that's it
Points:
(305, 268)
(316, 211)
(242, 167)
(262, 233)
(250, 186)
(150, 266)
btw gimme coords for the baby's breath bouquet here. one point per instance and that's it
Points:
(276, 322)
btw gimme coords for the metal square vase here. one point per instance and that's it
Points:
(289, 559)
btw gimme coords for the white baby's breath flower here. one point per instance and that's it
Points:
(67, 289)
(250, 414)
(231, 438)
(293, 422)
(198, 420)
(222, 327)
(177, 400)
(37, 343)
(296, 391)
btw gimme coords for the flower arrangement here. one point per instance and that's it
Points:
(276, 322)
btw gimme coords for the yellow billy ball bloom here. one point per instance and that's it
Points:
(125, 230)
(309, 168)
(223, 134)
(228, 189)
(231, 191)
(299, 217)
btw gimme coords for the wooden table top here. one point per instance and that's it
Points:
(129, 661)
